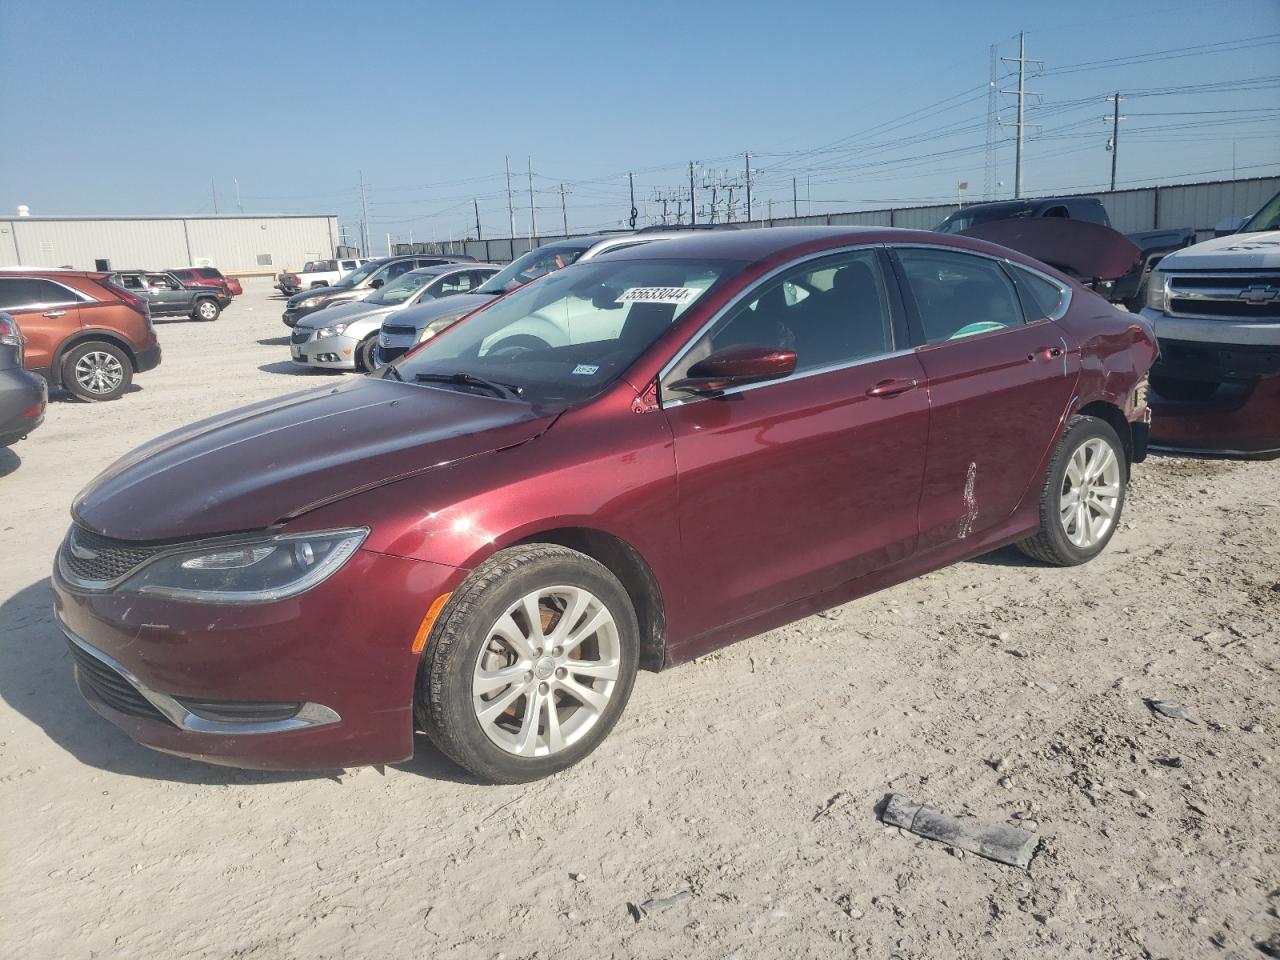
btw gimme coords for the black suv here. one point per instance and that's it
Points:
(358, 285)
(166, 295)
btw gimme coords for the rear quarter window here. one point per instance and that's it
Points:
(1040, 297)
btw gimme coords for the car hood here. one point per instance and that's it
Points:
(262, 464)
(1239, 251)
(328, 293)
(421, 314)
(344, 313)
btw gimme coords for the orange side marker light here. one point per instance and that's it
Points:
(429, 621)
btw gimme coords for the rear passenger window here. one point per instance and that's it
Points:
(19, 292)
(1040, 297)
(959, 295)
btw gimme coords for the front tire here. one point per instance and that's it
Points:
(96, 371)
(206, 310)
(530, 664)
(367, 354)
(1083, 495)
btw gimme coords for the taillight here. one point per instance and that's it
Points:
(130, 299)
(9, 335)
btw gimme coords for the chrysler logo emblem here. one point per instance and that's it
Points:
(82, 553)
(1258, 293)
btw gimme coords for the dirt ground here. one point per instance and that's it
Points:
(997, 688)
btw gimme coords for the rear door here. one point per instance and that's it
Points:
(998, 388)
(47, 312)
(791, 487)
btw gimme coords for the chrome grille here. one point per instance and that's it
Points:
(90, 558)
(1248, 295)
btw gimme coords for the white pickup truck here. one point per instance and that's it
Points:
(1216, 310)
(319, 273)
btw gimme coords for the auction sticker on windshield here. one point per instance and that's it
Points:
(676, 295)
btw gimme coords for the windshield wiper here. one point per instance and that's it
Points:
(469, 380)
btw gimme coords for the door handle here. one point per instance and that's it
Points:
(1045, 353)
(55, 313)
(892, 387)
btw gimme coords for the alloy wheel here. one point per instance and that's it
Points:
(207, 310)
(1090, 496)
(99, 372)
(547, 671)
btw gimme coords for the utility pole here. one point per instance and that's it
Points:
(1021, 93)
(693, 199)
(239, 205)
(748, 158)
(214, 184)
(564, 213)
(989, 175)
(533, 210)
(771, 209)
(388, 243)
(808, 196)
(511, 206)
(631, 180)
(1114, 144)
(476, 204)
(795, 199)
(364, 219)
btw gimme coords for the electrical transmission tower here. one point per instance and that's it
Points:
(991, 174)
(1021, 93)
(722, 186)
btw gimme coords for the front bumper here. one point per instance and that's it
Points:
(355, 670)
(1240, 420)
(331, 353)
(393, 347)
(148, 359)
(1216, 362)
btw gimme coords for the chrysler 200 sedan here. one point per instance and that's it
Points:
(714, 435)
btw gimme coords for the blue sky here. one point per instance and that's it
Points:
(138, 107)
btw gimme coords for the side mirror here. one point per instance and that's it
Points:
(376, 283)
(736, 366)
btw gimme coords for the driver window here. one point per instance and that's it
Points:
(831, 311)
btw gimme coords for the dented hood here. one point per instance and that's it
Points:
(1082, 249)
(259, 465)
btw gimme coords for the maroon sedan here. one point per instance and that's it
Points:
(624, 464)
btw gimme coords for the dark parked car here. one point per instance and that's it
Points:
(23, 395)
(208, 277)
(83, 333)
(358, 285)
(483, 542)
(167, 296)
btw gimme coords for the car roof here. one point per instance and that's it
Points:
(443, 268)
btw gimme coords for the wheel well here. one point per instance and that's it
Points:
(86, 336)
(1115, 417)
(625, 563)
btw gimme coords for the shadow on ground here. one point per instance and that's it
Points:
(9, 461)
(37, 681)
(290, 368)
(275, 341)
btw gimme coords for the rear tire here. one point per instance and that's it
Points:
(96, 371)
(206, 310)
(1083, 495)
(569, 679)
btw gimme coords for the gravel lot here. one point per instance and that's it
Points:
(996, 688)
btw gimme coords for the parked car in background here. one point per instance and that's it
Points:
(486, 544)
(1130, 289)
(355, 286)
(208, 277)
(319, 273)
(1216, 309)
(23, 395)
(83, 333)
(167, 296)
(404, 330)
(345, 337)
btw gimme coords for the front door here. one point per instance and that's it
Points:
(791, 487)
(47, 313)
(166, 295)
(998, 389)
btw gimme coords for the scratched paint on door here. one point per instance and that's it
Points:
(970, 501)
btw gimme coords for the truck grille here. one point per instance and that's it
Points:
(110, 687)
(86, 557)
(1249, 295)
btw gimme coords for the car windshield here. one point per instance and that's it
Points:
(962, 220)
(401, 289)
(568, 336)
(531, 266)
(351, 279)
(1268, 218)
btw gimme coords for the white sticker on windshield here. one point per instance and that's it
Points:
(586, 370)
(676, 295)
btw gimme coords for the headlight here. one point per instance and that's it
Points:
(436, 326)
(249, 571)
(310, 303)
(333, 331)
(1158, 291)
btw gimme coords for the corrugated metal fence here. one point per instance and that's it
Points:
(1197, 205)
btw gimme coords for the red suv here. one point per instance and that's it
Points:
(208, 277)
(82, 333)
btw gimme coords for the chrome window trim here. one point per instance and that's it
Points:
(1063, 306)
(308, 715)
(667, 402)
(46, 304)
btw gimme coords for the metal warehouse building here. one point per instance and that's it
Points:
(233, 244)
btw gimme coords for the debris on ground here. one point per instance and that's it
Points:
(657, 904)
(995, 841)
(1174, 711)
